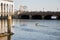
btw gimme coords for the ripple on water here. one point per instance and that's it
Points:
(29, 31)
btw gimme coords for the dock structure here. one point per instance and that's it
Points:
(6, 10)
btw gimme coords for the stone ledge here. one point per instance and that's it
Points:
(5, 34)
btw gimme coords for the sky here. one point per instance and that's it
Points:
(38, 5)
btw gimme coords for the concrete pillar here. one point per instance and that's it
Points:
(7, 9)
(12, 9)
(3, 9)
(42, 17)
(30, 16)
(9, 24)
(56, 17)
(0, 9)
(0, 16)
(18, 16)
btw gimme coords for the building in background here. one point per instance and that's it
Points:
(6, 7)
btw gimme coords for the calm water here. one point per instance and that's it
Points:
(36, 29)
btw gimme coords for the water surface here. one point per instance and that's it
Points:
(36, 30)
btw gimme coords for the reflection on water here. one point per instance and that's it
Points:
(4, 30)
(3, 26)
(44, 30)
(6, 38)
(35, 30)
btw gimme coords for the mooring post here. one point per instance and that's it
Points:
(9, 20)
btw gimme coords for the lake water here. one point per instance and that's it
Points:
(36, 29)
